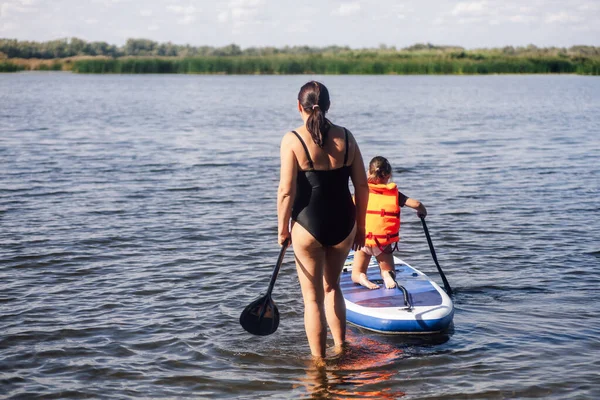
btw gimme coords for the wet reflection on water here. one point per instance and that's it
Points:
(362, 371)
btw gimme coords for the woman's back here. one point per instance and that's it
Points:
(335, 150)
(323, 204)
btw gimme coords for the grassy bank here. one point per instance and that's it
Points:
(7, 66)
(356, 63)
(340, 65)
(36, 64)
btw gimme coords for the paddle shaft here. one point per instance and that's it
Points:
(446, 284)
(277, 267)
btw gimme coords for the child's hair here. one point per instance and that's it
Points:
(379, 170)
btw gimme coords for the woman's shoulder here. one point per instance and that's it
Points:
(340, 131)
(290, 136)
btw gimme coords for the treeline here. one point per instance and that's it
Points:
(73, 47)
(145, 56)
(64, 48)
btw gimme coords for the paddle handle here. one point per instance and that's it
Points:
(446, 284)
(277, 266)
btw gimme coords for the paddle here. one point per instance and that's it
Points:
(261, 317)
(446, 284)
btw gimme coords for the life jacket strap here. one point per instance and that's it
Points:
(393, 248)
(384, 213)
(388, 236)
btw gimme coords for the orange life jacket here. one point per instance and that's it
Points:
(382, 225)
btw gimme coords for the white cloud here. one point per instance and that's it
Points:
(246, 3)
(188, 19)
(188, 14)
(521, 18)
(12, 7)
(482, 11)
(244, 10)
(589, 7)
(182, 10)
(8, 26)
(146, 13)
(242, 13)
(469, 8)
(107, 2)
(561, 17)
(346, 9)
(439, 21)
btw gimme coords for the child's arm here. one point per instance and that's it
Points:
(417, 205)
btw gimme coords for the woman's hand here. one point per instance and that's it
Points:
(283, 236)
(359, 239)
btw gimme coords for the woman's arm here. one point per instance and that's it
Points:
(287, 188)
(361, 195)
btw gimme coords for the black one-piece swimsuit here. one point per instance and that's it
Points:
(323, 204)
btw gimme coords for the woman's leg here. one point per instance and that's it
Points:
(359, 270)
(335, 307)
(310, 262)
(386, 263)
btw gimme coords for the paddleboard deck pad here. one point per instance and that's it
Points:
(383, 310)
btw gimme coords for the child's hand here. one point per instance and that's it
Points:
(421, 211)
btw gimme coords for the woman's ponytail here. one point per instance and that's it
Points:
(314, 99)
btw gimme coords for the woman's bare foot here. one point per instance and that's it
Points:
(362, 280)
(319, 362)
(389, 281)
(340, 348)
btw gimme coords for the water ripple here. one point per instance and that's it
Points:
(137, 224)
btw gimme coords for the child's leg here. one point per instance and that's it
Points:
(386, 263)
(359, 270)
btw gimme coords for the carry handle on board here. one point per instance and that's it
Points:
(261, 317)
(407, 303)
(446, 284)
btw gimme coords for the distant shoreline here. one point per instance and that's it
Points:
(421, 64)
(142, 56)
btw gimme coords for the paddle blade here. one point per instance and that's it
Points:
(261, 317)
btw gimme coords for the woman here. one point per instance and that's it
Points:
(316, 161)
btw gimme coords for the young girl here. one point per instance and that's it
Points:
(382, 224)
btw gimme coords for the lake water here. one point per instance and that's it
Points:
(138, 219)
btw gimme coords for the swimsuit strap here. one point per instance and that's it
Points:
(346, 153)
(310, 162)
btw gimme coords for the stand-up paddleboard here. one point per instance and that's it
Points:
(385, 310)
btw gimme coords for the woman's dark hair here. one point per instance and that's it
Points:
(314, 99)
(379, 170)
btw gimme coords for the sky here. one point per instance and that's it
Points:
(278, 23)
